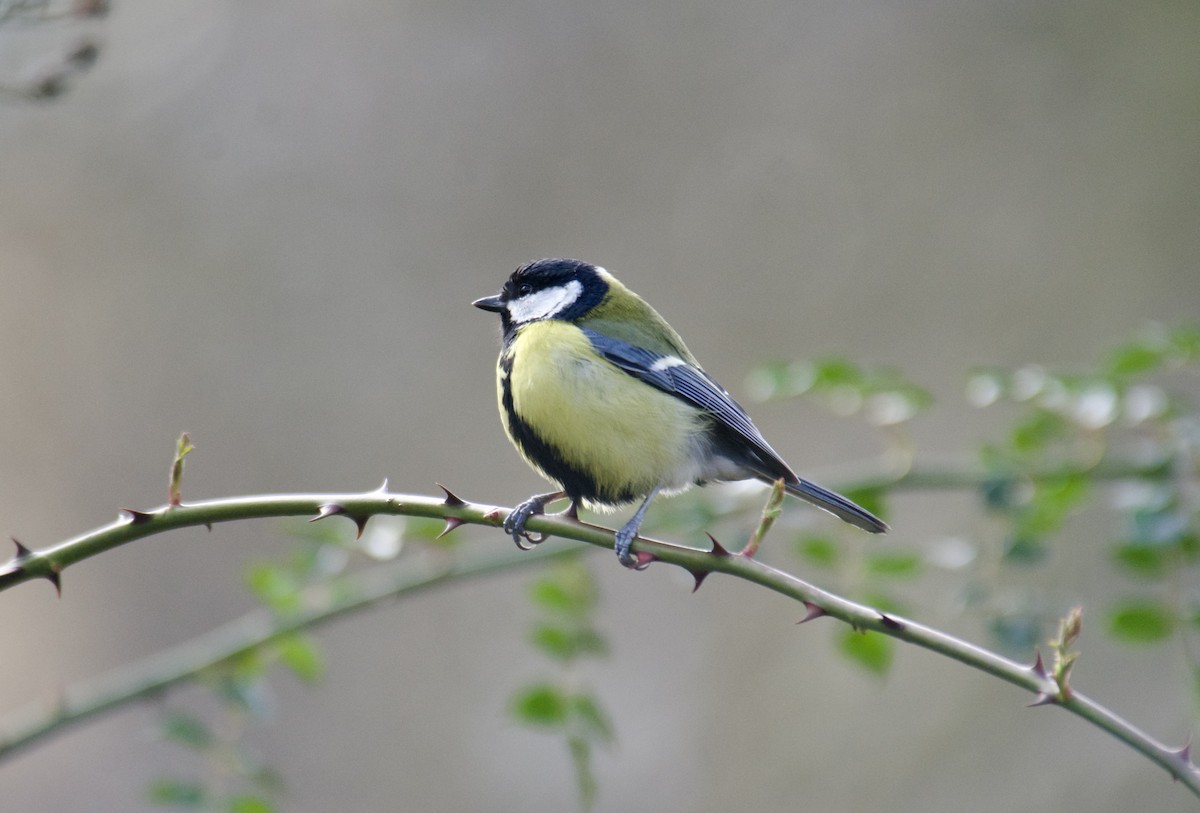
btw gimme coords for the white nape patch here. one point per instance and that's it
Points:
(666, 362)
(545, 303)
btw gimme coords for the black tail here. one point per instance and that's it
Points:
(837, 505)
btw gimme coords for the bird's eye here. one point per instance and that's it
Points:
(524, 289)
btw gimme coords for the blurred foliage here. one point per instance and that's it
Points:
(565, 599)
(1123, 436)
(235, 778)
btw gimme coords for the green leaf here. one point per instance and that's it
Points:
(566, 589)
(567, 644)
(250, 804)
(178, 793)
(1141, 622)
(592, 720)
(890, 564)
(1146, 561)
(274, 586)
(300, 654)
(870, 650)
(1037, 431)
(1136, 358)
(818, 550)
(187, 730)
(541, 705)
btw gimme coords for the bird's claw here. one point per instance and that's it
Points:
(514, 523)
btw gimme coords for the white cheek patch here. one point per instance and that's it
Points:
(545, 303)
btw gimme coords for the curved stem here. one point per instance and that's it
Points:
(50, 562)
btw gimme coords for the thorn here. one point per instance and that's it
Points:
(137, 517)
(1038, 667)
(699, 576)
(1184, 753)
(643, 560)
(55, 578)
(383, 489)
(329, 509)
(208, 527)
(22, 551)
(572, 511)
(813, 611)
(451, 498)
(451, 524)
(493, 515)
(718, 549)
(890, 622)
(1042, 699)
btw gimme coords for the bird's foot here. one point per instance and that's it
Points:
(514, 524)
(631, 560)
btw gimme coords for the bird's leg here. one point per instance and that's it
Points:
(629, 532)
(514, 524)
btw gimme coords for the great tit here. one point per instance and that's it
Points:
(601, 396)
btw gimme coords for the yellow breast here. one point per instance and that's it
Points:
(622, 434)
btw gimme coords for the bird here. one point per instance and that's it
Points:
(600, 395)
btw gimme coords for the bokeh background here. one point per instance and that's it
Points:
(263, 223)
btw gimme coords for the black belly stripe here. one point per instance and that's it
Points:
(578, 484)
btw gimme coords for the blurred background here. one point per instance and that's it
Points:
(264, 222)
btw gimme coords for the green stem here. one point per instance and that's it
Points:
(49, 563)
(321, 604)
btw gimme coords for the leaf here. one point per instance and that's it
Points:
(565, 644)
(1136, 358)
(1141, 622)
(541, 705)
(300, 654)
(566, 589)
(187, 730)
(592, 720)
(250, 804)
(893, 564)
(870, 650)
(818, 550)
(1146, 561)
(177, 792)
(274, 586)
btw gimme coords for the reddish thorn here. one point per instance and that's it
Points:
(493, 515)
(643, 560)
(1038, 667)
(137, 517)
(571, 512)
(1185, 753)
(718, 549)
(451, 498)
(22, 551)
(54, 578)
(890, 622)
(1042, 699)
(451, 524)
(699, 576)
(813, 611)
(329, 509)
